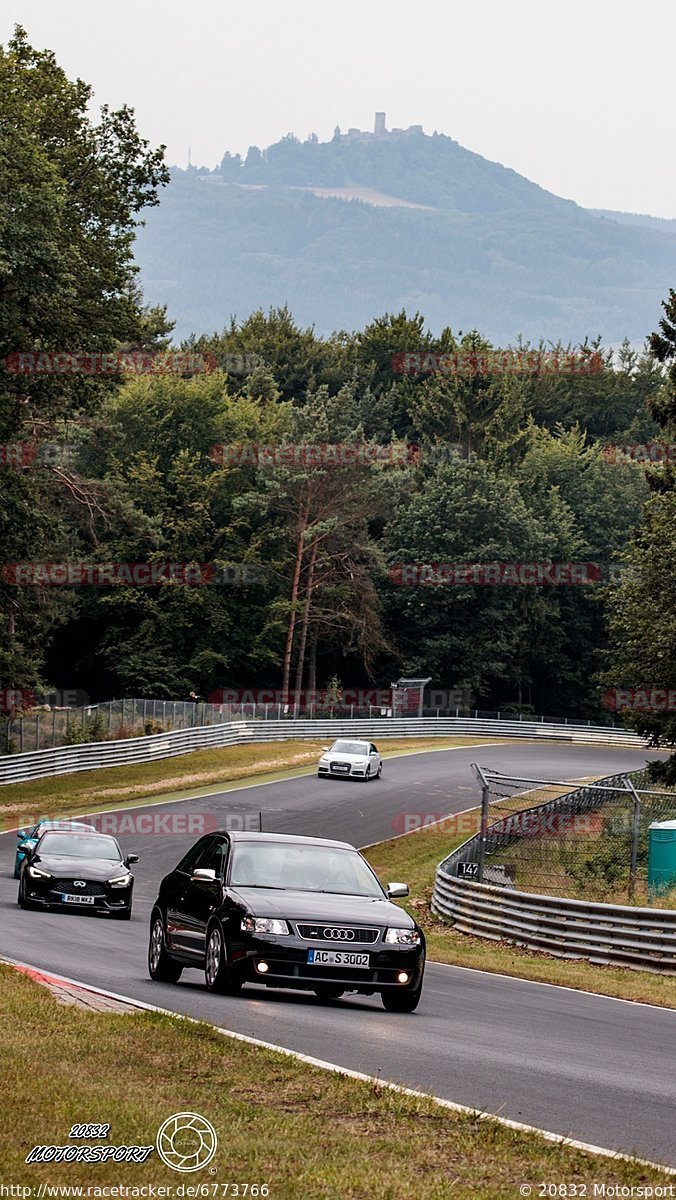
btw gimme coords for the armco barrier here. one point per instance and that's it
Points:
(17, 768)
(644, 938)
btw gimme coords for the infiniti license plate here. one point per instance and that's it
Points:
(337, 958)
(77, 899)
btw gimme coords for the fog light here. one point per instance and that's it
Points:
(262, 967)
(402, 977)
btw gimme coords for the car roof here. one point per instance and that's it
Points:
(81, 833)
(242, 835)
(66, 823)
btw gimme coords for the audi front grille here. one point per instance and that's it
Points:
(345, 935)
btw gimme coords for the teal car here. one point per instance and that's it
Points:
(28, 839)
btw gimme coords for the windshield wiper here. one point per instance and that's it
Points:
(273, 887)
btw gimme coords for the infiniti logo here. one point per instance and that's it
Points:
(339, 935)
(79, 883)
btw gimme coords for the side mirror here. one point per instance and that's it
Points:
(22, 835)
(25, 847)
(397, 889)
(131, 858)
(203, 875)
(325, 749)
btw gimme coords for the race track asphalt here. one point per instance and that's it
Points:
(590, 1067)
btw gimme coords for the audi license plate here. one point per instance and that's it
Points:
(77, 899)
(337, 958)
(339, 767)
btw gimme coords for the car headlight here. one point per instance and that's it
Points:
(264, 925)
(324, 759)
(38, 874)
(403, 937)
(120, 880)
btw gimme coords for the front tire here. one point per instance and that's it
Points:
(125, 915)
(217, 976)
(367, 775)
(401, 1002)
(161, 966)
(379, 772)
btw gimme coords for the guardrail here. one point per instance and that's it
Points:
(38, 764)
(644, 938)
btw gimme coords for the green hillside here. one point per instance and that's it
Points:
(489, 250)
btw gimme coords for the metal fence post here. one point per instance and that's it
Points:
(635, 829)
(485, 801)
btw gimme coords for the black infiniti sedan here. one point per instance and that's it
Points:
(286, 912)
(77, 870)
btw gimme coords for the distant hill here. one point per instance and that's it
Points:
(665, 224)
(472, 245)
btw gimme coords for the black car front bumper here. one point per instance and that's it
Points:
(93, 897)
(286, 958)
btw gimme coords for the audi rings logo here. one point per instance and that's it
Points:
(186, 1142)
(339, 935)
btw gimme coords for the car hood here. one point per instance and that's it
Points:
(80, 868)
(338, 757)
(322, 906)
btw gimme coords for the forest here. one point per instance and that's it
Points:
(272, 483)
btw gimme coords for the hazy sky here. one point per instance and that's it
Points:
(577, 95)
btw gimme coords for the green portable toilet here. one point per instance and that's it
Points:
(661, 855)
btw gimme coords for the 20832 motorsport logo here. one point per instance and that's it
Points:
(186, 1141)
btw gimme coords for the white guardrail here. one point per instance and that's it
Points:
(643, 938)
(62, 760)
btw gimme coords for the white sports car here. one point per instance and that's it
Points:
(348, 759)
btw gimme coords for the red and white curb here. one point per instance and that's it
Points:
(118, 1003)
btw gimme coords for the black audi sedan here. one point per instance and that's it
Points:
(286, 912)
(77, 870)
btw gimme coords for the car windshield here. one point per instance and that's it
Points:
(77, 845)
(350, 748)
(303, 868)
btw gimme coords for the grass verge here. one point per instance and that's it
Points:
(87, 791)
(414, 858)
(302, 1131)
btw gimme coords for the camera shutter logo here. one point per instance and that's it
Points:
(186, 1142)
